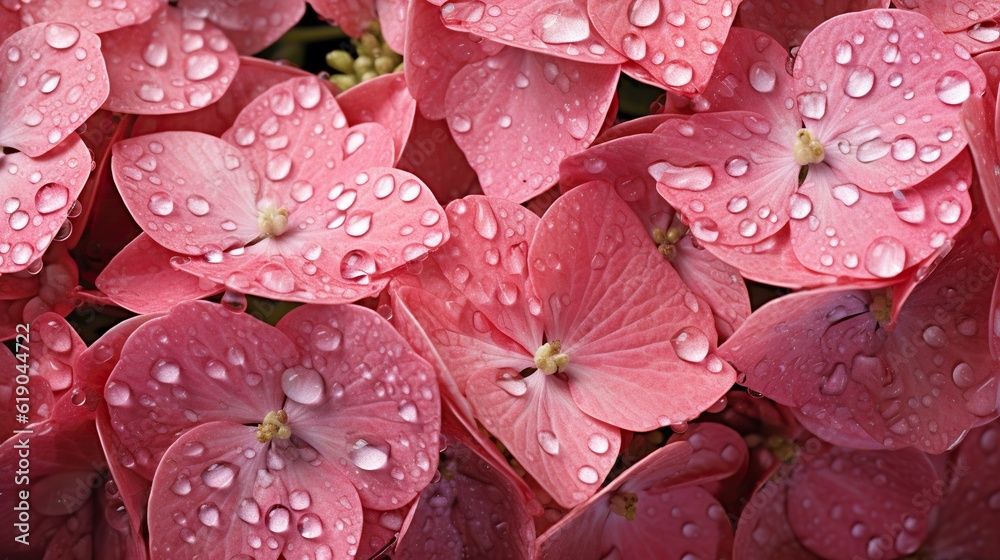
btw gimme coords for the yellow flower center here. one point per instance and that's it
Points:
(550, 359)
(274, 426)
(807, 149)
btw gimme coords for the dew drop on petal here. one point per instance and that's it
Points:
(368, 457)
(953, 88)
(303, 385)
(61, 36)
(885, 257)
(219, 475)
(690, 344)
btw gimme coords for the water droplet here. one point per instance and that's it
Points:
(859, 82)
(963, 375)
(812, 105)
(695, 178)
(935, 337)
(847, 193)
(634, 46)
(909, 206)
(278, 518)
(358, 266)
(359, 223)
(843, 52)
(904, 148)
(949, 211)
(886, 257)
(208, 514)
(219, 475)
(303, 385)
(799, 206)
(690, 344)
(166, 371)
(367, 457)
(161, 204)
(156, 54)
(549, 442)
(51, 198)
(872, 150)
(117, 393)
(598, 444)
(310, 526)
(705, 229)
(560, 24)
(587, 475)
(485, 221)
(515, 387)
(677, 73)
(61, 35)
(201, 66)
(249, 511)
(953, 88)
(836, 382)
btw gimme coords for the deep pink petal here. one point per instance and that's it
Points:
(557, 105)
(384, 100)
(566, 451)
(392, 16)
(885, 486)
(379, 395)
(185, 387)
(472, 511)
(220, 490)
(873, 121)
(169, 64)
(852, 232)
(141, 279)
(971, 504)
(44, 103)
(764, 530)
(54, 348)
(675, 43)
(162, 179)
(86, 15)
(251, 25)
(101, 130)
(434, 55)
(707, 174)
(652, 340)
(563, 29)
(38, 194)
(254, 77)
(790, 24)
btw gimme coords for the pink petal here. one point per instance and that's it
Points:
(392, 15)
(675, 43)
(488, 262)
(383, 100)
(38, 193)
(719, 284)
(353, 16)
(972, 502)
(39, 390)
(217, 490)
(182, 215)
(842, 480)
(772, 261)
(54, 349)
(44, 103)
(141, 279)
(566, 451)
(980, 121)
(490, 119)
(152, 368)
(432, 154)
(707, 174)
(563, 29)
(883, 142)
(468, 513)
(169, 64)
(251, 26)
(101, 130)
(652, 341)
(949, 15)
(855, 233)
(435, 54)
(764, 530)
(254, 77)
(791, 26)
(381, 397)
(96, 19)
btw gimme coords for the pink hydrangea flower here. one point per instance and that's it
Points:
(335, 413)
(789, 23)
(585, 305)
(282, 219)
(870, 112)
(923, 380)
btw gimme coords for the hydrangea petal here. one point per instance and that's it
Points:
(86, 15)
(141, 279)
(676, 43)
(38, 194)
(384, 100)
(791, 23)
(557, 105)
(910, 224)
(170, 64)
(251, 26)
(54, 78)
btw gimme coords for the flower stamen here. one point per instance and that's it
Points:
(549, 358)
(806, 148)
(623, 504)
(274, 425)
